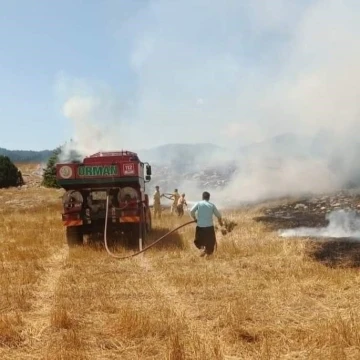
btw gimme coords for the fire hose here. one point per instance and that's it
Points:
(142, 250)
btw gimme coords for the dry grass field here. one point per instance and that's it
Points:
(259, 297)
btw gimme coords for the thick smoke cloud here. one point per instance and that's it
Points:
(232, 73)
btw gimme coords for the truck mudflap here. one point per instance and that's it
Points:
(72, 222)
(72, 219)
(129, 219)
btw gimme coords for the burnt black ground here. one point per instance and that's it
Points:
(341, 252)
(311, 212)
(296, 219)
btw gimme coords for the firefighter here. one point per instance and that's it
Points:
(205, 237)
(157, 204)
(180, 205)
(175, 196)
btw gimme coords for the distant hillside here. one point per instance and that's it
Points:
(169, 154)
(211, 166)
(186, 157)
(26, 156)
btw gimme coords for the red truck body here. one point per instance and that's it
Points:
(118, 174)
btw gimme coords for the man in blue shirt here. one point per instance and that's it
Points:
(205, 233)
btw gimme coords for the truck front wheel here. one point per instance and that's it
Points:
(74, 236)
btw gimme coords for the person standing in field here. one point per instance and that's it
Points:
(202, 212)
(157, 203)
(180, 205)
(175, 196)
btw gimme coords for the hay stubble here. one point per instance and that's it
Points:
(260, 297)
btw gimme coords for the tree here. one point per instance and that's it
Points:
(67, 155)
(49, 175)
(9, 173)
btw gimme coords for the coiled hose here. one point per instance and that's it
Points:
(141, 251)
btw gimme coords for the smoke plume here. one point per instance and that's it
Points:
(342, 224)
(234, 73)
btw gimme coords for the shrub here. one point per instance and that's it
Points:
(49, 175)
(9, 173)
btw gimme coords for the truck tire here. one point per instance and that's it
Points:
(74, 236)
(149, 224)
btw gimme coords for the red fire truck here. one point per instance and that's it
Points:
(116, 179)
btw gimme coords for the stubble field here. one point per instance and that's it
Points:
(259, 297)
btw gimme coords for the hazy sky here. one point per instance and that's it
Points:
(142, 73)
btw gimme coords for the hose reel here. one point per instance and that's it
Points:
(72, 198)
(128, 194)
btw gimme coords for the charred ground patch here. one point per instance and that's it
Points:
(342, 252)
(294, 220)
(310, 211)
(313, 212)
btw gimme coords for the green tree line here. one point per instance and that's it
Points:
(10, 175)
(26, 156)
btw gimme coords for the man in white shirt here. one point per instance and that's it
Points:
(202, 212)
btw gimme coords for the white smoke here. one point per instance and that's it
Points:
(342, 224)
(233, 73)
(93, 119)
(40, 169)
(98, 116)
